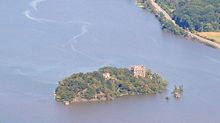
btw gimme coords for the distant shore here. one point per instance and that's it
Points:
(157, 10)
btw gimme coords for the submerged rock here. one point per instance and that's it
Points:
(177, 92)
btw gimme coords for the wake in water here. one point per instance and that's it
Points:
(84, 30)
(39, 20)
(34, 7)
(72, 42)
(34, 4)
(213, 59)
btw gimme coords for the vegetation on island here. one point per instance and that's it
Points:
(92, 86)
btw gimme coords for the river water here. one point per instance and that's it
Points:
(43, 41)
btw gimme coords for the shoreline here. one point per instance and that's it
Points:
(157, 10)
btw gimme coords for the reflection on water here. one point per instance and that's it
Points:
(43, 41)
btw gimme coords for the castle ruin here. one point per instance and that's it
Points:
(138, 71)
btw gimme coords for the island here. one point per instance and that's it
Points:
(109, 83)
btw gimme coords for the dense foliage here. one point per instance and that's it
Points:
(169, 26)
(166, 25)
(92, 85)
(195, 15)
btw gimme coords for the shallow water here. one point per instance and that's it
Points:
(43, 41)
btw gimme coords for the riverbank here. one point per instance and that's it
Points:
(170, 25)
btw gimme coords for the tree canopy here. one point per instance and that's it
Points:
(195, 15)
(94, 86)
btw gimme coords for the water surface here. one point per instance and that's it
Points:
(43, 41)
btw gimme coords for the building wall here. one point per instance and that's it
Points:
(138, 70)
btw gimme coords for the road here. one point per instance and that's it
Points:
(158, 9)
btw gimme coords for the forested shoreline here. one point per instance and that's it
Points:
(194, 15)
(196, 20)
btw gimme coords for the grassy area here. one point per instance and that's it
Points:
(214, 36)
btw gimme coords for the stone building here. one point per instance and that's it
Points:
(106, 76)
(138, 70)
